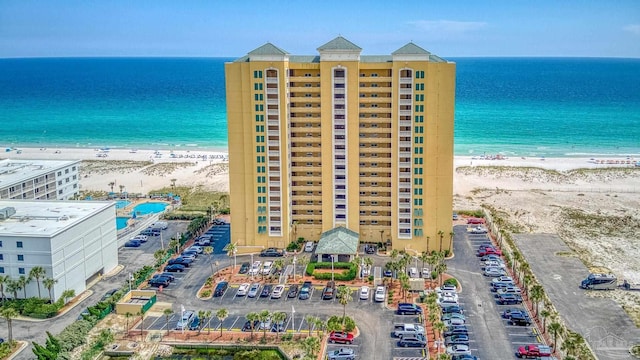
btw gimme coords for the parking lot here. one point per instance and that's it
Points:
(491, 336)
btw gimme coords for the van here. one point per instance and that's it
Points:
(308, 247)
(599, 282)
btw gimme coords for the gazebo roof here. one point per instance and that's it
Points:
(338, 241)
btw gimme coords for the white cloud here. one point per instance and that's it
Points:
(633, 28)
(447, 26)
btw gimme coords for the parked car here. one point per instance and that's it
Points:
(141, 238)
(426, 274)
(305, 291)
(509, 299)
(493, 272)
(416, 340)
(220, 288)
(408, 309)
(504, 278)
(109, 294)
(253, 290)
(370, 249)
(464, 357)
(279, 326)
(189, 255)
(196, 248)
(489, 251)
(341, 337)
(448, 316)
(509, 290)
(447, 301)
(493, 263)
(458, 349)
(271, 252)
(132, 243)
(277, 292)
(248, 325)
(500, 285)
(475, 221)
(379, 294)
(293, 291)
(364, 293)
(159, 281)
(308, 247)
(457, 339)
(185, 320)
(255, 268)
(533, 351)
(244, 268)
(491, 257)
(174, 268)
(520, 319)
(195, 323)
(342, 354)
(266, 290)
(179, 260)
(479, 230)
(329, 292)
(456, 309)
(456, 330)
(266, 268)
(388, 273)
(413, 273)
(448, 287)
(243, 289)
(506, 314)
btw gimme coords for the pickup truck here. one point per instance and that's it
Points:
(401, 330)
(533, 351)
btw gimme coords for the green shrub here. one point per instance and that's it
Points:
(349, 273)
(293, 246)
(205, 293)
(451, 281)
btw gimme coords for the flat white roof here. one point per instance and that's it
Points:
(16, 171)
(37, 218)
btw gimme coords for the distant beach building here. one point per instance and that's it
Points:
(341, 139)
(39, 179)
(74, 241)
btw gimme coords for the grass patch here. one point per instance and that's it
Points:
(197, 199)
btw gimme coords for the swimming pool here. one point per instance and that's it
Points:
(121, 222)
(149, 208)
(122, 204)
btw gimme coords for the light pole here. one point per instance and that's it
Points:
(251, 268)
(294, 268)
(332, 260)
(130, 281)
(235, 251)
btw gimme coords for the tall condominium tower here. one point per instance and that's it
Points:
(341, 139)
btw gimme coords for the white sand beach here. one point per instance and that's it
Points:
(543, 195)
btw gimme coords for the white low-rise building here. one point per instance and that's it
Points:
(39, 179)
(74, 241)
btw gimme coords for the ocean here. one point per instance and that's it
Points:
(554, 107)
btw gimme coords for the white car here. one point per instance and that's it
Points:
(366, 271)
(479, 230)
(379, 295)
(453, 322)
(509, 290)
(458, 349)
(266, 267)
(141, 237)
(493, 263)
(197, 249)
(253, 290)
(255, 268)
(447, 301)
(448, 294)
(364, 293)
(502, 279)
(494, 272)
(448, 287)
(413, 273)
(277, 292)
(243, 289)
(426, 273)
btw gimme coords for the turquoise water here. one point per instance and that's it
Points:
(122, 204)
(149, 208)
(513, 106)
(121, 222)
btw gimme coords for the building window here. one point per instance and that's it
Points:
(1, 269)
(66, 171)
(21, 271)
(1, 256)
(59, 173)
(419, 74)
(19, 244)
(20, 257)
(257, 86)
(257, 74)
(73, 168)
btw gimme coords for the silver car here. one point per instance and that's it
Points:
(253, 290)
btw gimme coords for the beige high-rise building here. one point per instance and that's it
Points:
(341, 139)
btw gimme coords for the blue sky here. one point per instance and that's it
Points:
(229, 28)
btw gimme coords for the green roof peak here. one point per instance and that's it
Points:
(339, 43)
(268, 49)
(411, 49)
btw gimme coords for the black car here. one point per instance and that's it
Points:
(457, 340)
(452, 309)
(293, 291)
(247, 325)
(174, 268)
(108, 294)
(408, 308)
(132, 243)
(190, 253)
(181, 261)
(520, 319)
(412, 341)
(220, 288)
(509, 299)
(164, 282)
(160, 277)
(305, 290)
(266, 290)
(370, 249)
(244, 268)
(167, 275)
(271, 252)
(456, 330)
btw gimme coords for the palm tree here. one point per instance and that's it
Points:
(321, 325)
(427, 239)
(544, 314)
(537, 294)
(23, 281)
(207, 315)
(232, 249)
(278, 317)
(439, 327)
(344, 296)
(127, 316)
(121, 188)
(141, 314)
(278, 265)
(159, 255)
(441, 234)
(222, 314)
(264, 316)
(173, 183)
(37, 273)
(441, 269)
(451, 233)
(252, 317)
(69, 293)
(424, 257)
(13, 287)
(368, 262)
(48, 284)
(201, 316)
(174, 244)
(9, 313)
(403, 278)
(311, 346)
(303, 261)
(310, 319)
(555, 328)
(4, 279)
(111, 185)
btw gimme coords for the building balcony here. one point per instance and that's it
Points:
(373, 89)
(271, 80)
(272, 91)
(376, 79)
(273, 112)
(315, 88)
(406, 80)
(378, 100)
(374, 110)
(273, 102)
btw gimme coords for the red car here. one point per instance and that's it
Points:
(340, 337)
(475, 221)
(489, 251)
(533, 351)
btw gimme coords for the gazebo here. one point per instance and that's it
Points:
(338, 241)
